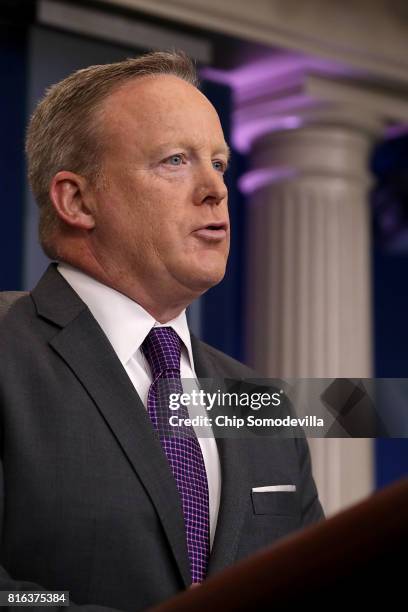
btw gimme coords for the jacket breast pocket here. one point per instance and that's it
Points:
(280, 503)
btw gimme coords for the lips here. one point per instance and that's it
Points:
(212, 232)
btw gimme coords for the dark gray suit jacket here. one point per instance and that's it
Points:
(87, 500)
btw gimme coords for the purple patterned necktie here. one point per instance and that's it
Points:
(162, 349)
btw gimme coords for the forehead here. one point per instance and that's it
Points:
(160, 107)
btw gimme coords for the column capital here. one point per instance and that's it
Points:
(321, 151)
(290, 90)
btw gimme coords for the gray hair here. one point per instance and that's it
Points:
(63, 130)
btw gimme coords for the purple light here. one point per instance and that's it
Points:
(396, 131)
(276, 71)
(245, 133)
(268, 93)
(248, 75)
(274, 108)
(255, 179)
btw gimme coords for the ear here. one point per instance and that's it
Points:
(68, 193)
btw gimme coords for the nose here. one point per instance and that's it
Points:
(210, 187)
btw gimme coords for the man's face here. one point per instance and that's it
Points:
(162, 214)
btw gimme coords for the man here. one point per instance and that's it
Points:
(126, 162)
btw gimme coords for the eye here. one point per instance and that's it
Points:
(175, 160)
(219, 165)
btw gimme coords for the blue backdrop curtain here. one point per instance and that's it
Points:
(222, 308)
(390, 276)
(13, 79)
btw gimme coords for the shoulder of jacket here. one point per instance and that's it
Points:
(8, 298)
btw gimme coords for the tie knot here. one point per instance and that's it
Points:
(162, 349)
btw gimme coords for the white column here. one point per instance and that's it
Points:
(309, 277)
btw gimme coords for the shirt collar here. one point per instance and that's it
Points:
(124, 321)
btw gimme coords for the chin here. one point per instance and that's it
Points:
(199, 274)
(205, 279)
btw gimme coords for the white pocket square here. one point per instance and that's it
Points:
(275, 488)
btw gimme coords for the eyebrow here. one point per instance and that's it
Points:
(226, 151)
(222, 150)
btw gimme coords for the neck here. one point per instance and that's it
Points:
(154, 298)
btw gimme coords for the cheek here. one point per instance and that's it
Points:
(170, 214)
(128, 208)
(154, 211)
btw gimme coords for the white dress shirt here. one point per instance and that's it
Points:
(126, 324)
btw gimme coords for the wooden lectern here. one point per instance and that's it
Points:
(358, 557)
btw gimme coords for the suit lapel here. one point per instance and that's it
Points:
(86, 350)
(235, 484)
